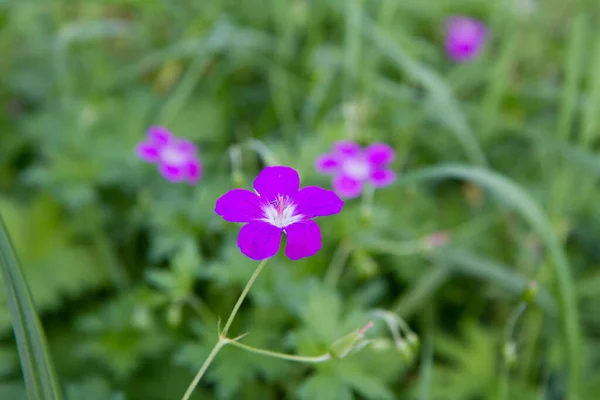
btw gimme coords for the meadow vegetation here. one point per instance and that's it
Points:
(472, 274)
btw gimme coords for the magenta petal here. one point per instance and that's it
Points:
(327, 163)
(172, 173)
(194, 171)
(465, 38)
(382, 177)
(185, 147)
(346, 186)
(303, 239)
(313, 201)
(347, 148)
(259, 240)
(239, 205)
(273, 181)
(159, 135)
(380, 154)
(147, 151)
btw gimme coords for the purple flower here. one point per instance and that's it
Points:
(176, 158)
(465, 38)
(279, 205)
(352, 166)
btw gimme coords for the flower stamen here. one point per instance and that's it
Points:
(281, 212)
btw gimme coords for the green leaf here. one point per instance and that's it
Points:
(472, 369)
(324, 386)
(510, 193)
(40, 379)
(122, 334)
(56, 266)
(92, 388)
(368, 383)
(442, 103)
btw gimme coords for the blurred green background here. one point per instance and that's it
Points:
(130, 272)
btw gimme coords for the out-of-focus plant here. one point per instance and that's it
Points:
(488, 110)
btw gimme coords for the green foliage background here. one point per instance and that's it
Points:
(130, 273)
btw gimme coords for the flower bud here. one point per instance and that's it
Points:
(381, 345)
(405, 350)
(436, 239)
(531, 292)
(413, 342)
(365, 266)
(351, 343)
(238, 179)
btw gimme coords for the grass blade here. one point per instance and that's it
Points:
(38, 370)
(511, 194)
(442, 103)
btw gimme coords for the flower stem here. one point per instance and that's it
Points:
(203, 369)
(223, 334)
(242, 297)
(336, 267)
(282, 356)
(199, 307)
(366, 207)
(508, 337)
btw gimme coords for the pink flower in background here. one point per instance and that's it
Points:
(465, 38)
(352, 166)
(278, 206)
(177, 158)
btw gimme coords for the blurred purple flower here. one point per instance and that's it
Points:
(279, 205)
(352, 166)
(177, 158)
(465, 38)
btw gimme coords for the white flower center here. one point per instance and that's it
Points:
(281, 212)
(172, 156)
(356, 168)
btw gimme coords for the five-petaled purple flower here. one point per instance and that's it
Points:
(465, 38)
(353, 166)
(279, 205)
(176, 158)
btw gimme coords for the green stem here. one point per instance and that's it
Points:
(366, 207)
(242, 297)
(282, 356)
(267, 156)
(199, 307)
(395, 323)
(405, 248)
(336, 267)
(203, 369)
(223, 334)
(427, 354)
(510, 331)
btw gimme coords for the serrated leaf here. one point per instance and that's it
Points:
(368, 383)
(472, 369)
(121, 334)
(324, 386)
(92, 389)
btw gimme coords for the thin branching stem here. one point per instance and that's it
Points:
(223, 334)
(282, 356)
